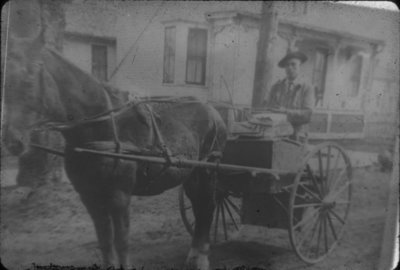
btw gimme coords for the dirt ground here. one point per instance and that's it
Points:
(51, 226)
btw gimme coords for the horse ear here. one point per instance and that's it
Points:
(37, 44)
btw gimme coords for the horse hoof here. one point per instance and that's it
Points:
(197, 263)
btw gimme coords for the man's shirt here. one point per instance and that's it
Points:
(297, 95)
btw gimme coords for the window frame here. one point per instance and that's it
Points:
(181, 48)
(203, 58)
(94, 64)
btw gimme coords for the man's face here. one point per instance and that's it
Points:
(292, 68)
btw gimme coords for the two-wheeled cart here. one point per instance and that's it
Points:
(308, 192)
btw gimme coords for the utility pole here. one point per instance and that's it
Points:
(264, 64)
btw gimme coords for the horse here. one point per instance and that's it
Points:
(43, 89)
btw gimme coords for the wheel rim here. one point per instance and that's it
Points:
(320, 202)
(226, 219)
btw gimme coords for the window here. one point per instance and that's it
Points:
(169, 54)
(196, 56)
(319, 74)
(99, 62)
(185, 53)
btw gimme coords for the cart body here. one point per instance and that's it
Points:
(310, 197)
(263, 195)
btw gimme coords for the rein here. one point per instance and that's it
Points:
(110, 114)
(167, 157)
(113, 124)
(47, 149)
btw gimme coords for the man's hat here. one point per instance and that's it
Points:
(296, 54)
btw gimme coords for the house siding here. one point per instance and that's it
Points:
(138, 28)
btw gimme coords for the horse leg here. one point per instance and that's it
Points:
(98, 210)
(120, 202)
(201, 192)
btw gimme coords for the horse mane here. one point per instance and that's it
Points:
(117, 96)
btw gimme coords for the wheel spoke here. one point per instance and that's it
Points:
(328, 160)
(237, 210)
(315, 196)
(334, 168)
(340, 175)
(305, 220)
(302, 235)
(321, 169)
(342, 202)
(230, 214)
(314, 181)
(216, 223)
(325, 234)
(313, 234)
(334, 196)
(306, 233)
(332, 227)
(302, 196)
(220, 220)
(307, 205)
(319, 237)
(322, 190)
(337, 216)
(223, 220)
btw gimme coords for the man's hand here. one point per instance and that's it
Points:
(278, 109)
(283, 109)
(287, 111)
(294, 111)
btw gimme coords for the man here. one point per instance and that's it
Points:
(293, 95)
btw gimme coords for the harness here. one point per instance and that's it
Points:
(110, 114)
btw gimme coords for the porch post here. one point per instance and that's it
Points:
(264, 64)
(331, 86)
(330, 91)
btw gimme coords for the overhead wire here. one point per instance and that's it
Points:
(136, 41)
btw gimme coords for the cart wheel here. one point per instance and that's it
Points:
(320, 202)
(227, 215)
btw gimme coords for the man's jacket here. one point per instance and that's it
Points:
(299, 96)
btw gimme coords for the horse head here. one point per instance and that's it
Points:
(21, 96)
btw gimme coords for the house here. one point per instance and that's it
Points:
(209, 50)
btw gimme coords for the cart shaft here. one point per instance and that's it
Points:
(177, 162)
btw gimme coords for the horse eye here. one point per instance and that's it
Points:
(26, 83)
(15, 56)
